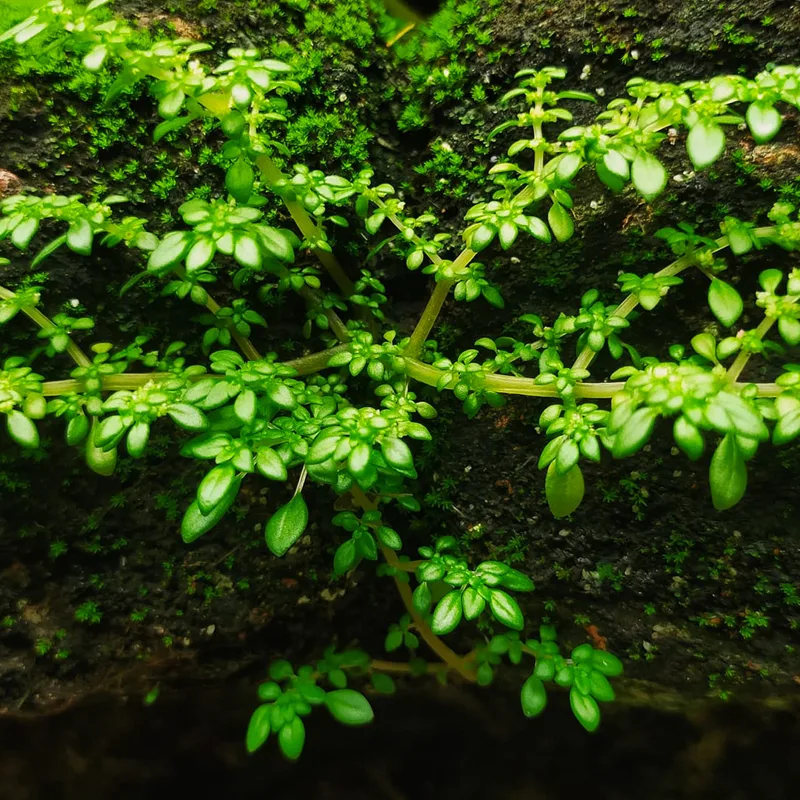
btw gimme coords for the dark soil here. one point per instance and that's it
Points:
(678, 590)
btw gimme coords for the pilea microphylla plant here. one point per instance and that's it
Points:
(257, 417)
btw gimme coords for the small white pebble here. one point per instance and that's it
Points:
(342, 97)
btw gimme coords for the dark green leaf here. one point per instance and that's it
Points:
(533, 697)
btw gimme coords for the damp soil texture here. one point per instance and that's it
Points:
(703, 607)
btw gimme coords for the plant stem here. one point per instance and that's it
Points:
(735, 369)
(587, 355)
(450, 657)
(401, 667)
(75, 352)
(306, 225)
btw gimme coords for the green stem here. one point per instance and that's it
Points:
(735, 369)
(587, 355)
(306, 225)
(448, 656)
(75, 352)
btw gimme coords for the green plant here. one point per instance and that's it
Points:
(253, 416)
(88, 612)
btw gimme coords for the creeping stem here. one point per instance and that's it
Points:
(75, 352)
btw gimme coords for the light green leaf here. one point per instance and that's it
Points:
(635, 432)
(349, 707)
(187, 417)
(79, 237)
(585, 709)
(21, 429)
(764, 120)
(286, 525)
(239, 180)
(560, 222)
(195, 523)
(447, 613)
(725, 302)
(727, 474)
(564, 492)
(169, 252)
(533, 697)
(291, 738)
(505, 609)
(258, 728)
(271, 465)
(649, 175)
(705, 143)
(214, 487)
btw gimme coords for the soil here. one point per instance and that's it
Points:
(679, 591)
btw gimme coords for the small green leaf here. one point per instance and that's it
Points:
(473, 603)
(648, 175)
(195, 523)
(138, 436)
(291, 738)
(764, 120)
(560, 222)
(705, 143)
(600, 688)
(705, 344)
(727, 474)
(607, 663)
(585, 709)
(789, 329)
(564, 492)
(787, 427)
(21, 429)
(349, 707)
(79, 237)
(286, 525)
(345, 557)
(724, 302)
(187, 417)
(688, 437)
(239, 180)
(271, 465)
(398, 455)
(258, 728)
(533, 697)
(169, 252)
(77, 428)
(421, 599)
(214, 487)
(505, 609)
(447, 613)
(635, 432)
(245, 406)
